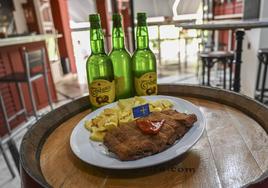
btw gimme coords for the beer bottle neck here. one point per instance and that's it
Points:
(118, 38)
(142, 37)
(96, 41)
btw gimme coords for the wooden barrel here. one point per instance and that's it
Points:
(232, 152)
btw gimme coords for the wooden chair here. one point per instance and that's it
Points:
(32, 60)
(9, 139)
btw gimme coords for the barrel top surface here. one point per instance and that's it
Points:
(232, 151)
(226, 155)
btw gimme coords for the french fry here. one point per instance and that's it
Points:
(140, 100)
(110, 125)
(110, 111)
(88, 125)
(97, 136)
(125, 103)
(110, 118)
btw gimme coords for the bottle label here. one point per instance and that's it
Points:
(101, 92)
(146, 84)
(119, 85)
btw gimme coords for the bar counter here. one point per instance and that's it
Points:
(26, 39)
(11, 60)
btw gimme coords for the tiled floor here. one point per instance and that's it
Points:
(69, 89)
(6, 180)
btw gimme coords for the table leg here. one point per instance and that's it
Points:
(203, 71)
(186, 52)
(208, 67)
(14, 152)
(238, 53)
(231, 74)
(263, 82)
(224, 73)
(216, 40)
(259, 72)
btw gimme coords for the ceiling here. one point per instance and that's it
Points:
(80, 9)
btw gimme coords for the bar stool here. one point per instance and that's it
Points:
(9, 139)
(15, 155)
(203, 46)
(263, 60)
(210, 58)
(32, 59)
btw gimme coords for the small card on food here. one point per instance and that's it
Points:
(141, 111)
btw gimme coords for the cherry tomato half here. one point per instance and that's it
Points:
(150, 127)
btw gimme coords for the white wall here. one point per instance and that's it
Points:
(80, 9)
(257, 38)
(154, 8)
(20, 21)
(250, 62)
(81, 43)
(264, 32)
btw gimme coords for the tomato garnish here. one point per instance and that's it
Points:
(150, 127)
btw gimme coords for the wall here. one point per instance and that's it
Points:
(264, 32)
(250, 62)
(257, 38)
(20, 21)
(85, 8)
(154, 7)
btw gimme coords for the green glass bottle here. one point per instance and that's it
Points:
(99, 67)
(143, 61)
(121, 61)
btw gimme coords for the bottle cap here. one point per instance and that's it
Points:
(116, 16)
(117, 20)
(94, 20)
(141, 17)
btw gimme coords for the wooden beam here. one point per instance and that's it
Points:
(60, 14)
(131, 2)
(103, 11)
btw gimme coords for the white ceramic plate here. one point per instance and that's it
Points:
(95, 153)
